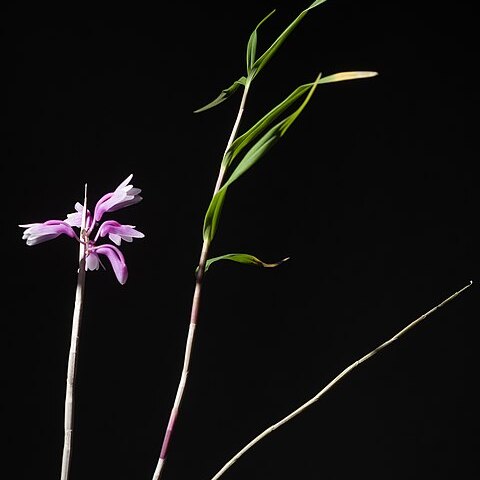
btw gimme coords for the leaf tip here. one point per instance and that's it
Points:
(276, 264)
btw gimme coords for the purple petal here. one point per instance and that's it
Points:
(36, 233)
(123, 196)
(116, 259)
(118, 232)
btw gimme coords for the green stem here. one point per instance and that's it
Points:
(341, 375)
(195, 308)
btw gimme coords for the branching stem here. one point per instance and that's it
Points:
(325, 389)
(195, 308)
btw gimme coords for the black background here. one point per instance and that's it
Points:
(372, 193)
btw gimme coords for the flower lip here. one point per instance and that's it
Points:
(116, 258)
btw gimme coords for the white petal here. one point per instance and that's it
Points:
(92, 261)
(125, 182)
(116, 239)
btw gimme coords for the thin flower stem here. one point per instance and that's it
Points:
(341, 375)
(73, 355)
(195, 308)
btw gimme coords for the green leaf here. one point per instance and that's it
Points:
(258, 150)
(342, 76)
(268, 140)
(262, 61)
(291, 118)
(255, 154)
(314, 4)
(251, 50)
(212, 216)
(252, 44)
(244, 258)
(226, 93)
(245, 139)
(254, 66)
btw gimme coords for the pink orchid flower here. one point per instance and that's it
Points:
(123, 196)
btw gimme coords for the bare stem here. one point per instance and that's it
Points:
(195, 309)
(73, 355)
(341, 375)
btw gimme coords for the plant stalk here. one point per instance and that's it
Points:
(73, 354)
(195, 308)
(341, 375)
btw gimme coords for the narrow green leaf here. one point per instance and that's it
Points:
(251, 50)
(259, 149)
(268, 54)
(268, 140)
(291, 118)
(254, 66)
(244, 258)
(342, 76)
(246, 138)
(212, 216)
(252, 44)
(226, 93)
(255, 154)
(314, 4)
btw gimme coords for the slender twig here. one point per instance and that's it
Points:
(343, 374)
(73, 355)
(195, 308)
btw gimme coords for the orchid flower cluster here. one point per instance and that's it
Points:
(123, 196)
